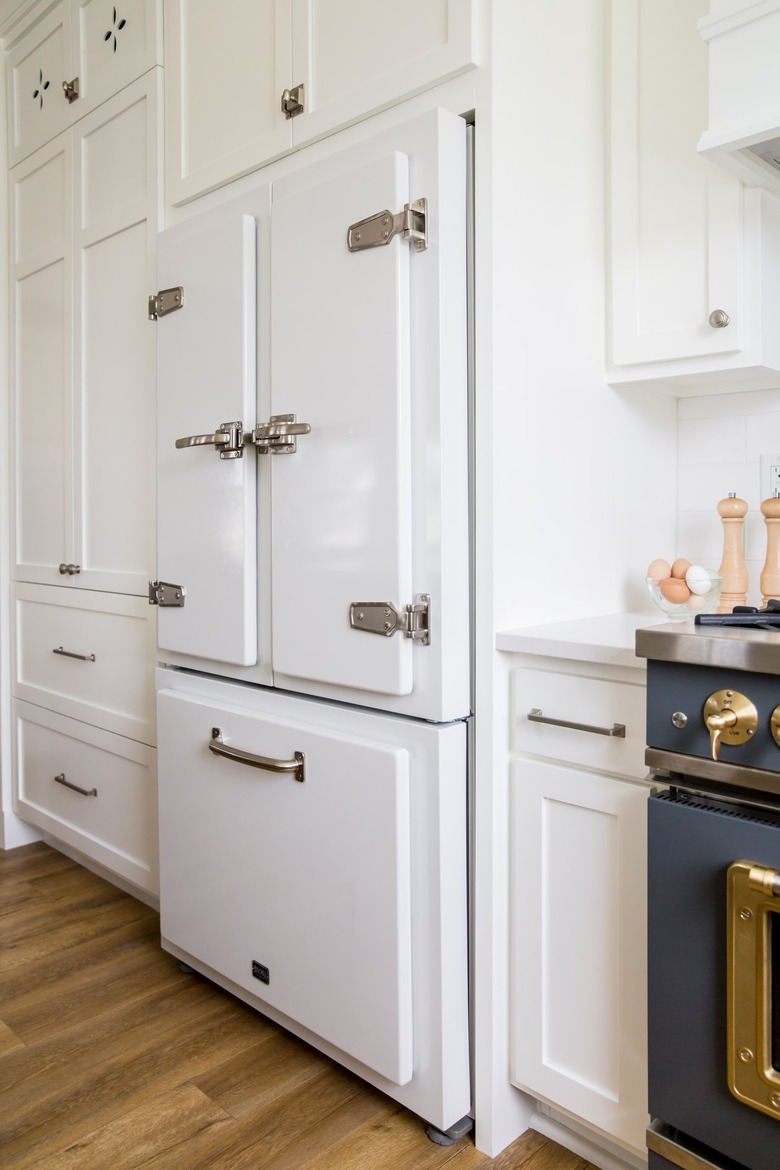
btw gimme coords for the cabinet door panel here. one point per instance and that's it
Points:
(226, 65)
(36, 68)
(578, 944)
(676, 219)
(40, 201)
(354, 58)
(115, 367)
(115, 41)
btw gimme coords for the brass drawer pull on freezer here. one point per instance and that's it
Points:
(617, 729)
(72, 654)
(294, 767)
(74, 787)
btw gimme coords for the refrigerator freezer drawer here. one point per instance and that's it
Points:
(336, 901)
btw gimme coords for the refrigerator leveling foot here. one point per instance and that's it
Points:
(448, 1137)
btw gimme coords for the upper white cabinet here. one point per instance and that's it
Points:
(743, 128)
(692, 308)
(65, 64)
(84, 224)
(247, 81)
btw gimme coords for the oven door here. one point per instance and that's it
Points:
(713, 983)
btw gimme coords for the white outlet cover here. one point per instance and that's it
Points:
(770, 476)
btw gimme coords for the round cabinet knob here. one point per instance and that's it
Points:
(730, 718)
(719, 319)
(680, 720)
(63, 568)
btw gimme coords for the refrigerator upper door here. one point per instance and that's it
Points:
(368, 347)
(207, 514)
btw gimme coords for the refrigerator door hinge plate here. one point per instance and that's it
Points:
(380, 229)
(382, 617)
(292, 101)
(167, 300)
(166, 595)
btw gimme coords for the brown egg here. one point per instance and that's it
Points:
(674, 590)
(680, 567)
(659, 570)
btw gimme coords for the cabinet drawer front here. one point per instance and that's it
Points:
(87, 655)
(93, 790)
(596, 704)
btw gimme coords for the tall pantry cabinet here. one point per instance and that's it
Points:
(84, 201)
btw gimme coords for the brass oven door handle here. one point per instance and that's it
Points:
(753, 894)
(617, 729)
(294, 767)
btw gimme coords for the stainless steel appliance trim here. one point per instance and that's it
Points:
(660, 1143)
(699, 768)
(735, 647)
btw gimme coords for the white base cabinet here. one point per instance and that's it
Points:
(94, 790)
(578, 898)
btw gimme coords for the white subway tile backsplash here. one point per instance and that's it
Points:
(762, 435)
(711, 440)
(700, 538)
(701, 485)
(729, 405)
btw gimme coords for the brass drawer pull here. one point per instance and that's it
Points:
(74, 787)
(617, 729)
(294, 767)
(72, 654)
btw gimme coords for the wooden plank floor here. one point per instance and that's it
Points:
(112, 1059)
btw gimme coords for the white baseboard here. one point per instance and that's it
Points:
(571, 1136)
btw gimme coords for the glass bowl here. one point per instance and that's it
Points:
(696, 603)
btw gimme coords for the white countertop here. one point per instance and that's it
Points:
(606, 639)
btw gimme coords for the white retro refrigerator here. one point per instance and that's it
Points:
(313, 585)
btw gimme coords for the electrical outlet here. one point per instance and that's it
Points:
(770, 476)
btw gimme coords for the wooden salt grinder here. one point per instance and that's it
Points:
(770, 574)
(732, 512)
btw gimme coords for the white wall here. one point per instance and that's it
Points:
(720, 439)
(584, 475)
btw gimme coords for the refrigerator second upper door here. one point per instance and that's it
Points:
(207, 493)
(368, 348)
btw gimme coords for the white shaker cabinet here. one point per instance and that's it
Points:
(692, 307)
(84, 212)
(62, 66)
(578, 897)
(247, 82)
(84, 216)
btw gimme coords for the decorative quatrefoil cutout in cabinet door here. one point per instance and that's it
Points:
(116, 26)
(39, 92)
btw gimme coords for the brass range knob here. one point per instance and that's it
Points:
(774, 725)
(730, 718)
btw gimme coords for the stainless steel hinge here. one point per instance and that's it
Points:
(166, 595)
(167, 300)
(71, 89)
(382, 617)
(292, 101)
(380, 229)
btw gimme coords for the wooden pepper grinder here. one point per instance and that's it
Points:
(732, 512)
(770, 574)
